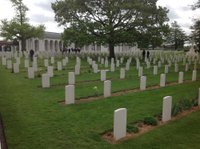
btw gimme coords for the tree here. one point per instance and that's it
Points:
(196, 33)
(176, 36)
(196, 5)
(109, 22)
(18, 28)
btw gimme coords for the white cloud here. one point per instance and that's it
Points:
(40, 12)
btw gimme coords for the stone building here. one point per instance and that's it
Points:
(49, 42)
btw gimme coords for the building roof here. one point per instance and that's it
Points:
(52, 35)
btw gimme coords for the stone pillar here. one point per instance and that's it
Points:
(167, 108)
(162, 80)
(107, 88)
(45, 80)
(71, 78)
(143, 80)
(103, 75)
(31, 74)
(120, 123)
(69, 94)
(194, 75)
(122, 73)
(180, 77)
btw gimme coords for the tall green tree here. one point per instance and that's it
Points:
(196, 33)
(176, 36)
(109, 22)
(18, 28)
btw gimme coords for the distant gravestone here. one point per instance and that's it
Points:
(59, 66)
(4, 61)
(16, 68)
(52, 60)
(167, 107)
(155, 70)
(107, 88)
(71, 78)
(194, 75)
(45, 81)
(112, 67)
(140, 71)
(50, 71)
(166, 69)
(103, 75)
(175, 67)
(26, 63)
(9, 64)
(31, 74)
(122, 73)
(77, 69)
(180, 77)
(46, 62)
(143, 80)
(120, 123)
(69, 94)
(186, 67)
(162, 80)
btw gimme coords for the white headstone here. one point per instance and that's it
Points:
(71, 78)
(103, 75)
(162, 80)
(9, 64)
(167, 108)
(186, 67)
(143, 80)
(16, 68)
(4, 61)
(155, 70)
(69, 94)
(26, 63)
(166, 69)
(112, 67)
(45, 81)
(77, 69)
(52, 60)
(127, 66)
(46, 62)
(31, 74)
(50, 71)
(140, 71)
(180, 77)
(175, 67)
(59, 66)
(120, 123)
(107, 88)
(122, 73)
(194, 75)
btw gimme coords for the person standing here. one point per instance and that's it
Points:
(31, 54)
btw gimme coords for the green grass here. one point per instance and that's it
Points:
(35, 120)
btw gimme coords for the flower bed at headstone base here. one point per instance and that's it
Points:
(135, 129)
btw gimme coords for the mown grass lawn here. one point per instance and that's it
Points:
(35, 120)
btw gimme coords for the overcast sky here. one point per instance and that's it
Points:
(40, 12)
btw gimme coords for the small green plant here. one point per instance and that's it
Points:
(150, 121)
(131, 128)
(176, 109)
(194, 102)
(96, 90)
(185, 104)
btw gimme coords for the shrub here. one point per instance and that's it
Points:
(176, 109)
(150, 121)
(131, 128)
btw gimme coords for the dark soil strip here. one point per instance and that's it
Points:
(118, 93)
(2, 135)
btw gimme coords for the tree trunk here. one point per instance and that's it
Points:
(111, 51)
(23, 44)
